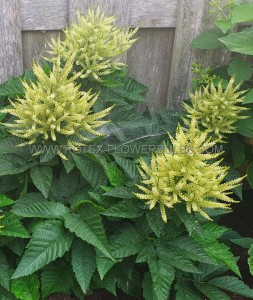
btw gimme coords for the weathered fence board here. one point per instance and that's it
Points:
(11, 57)
(149, 62)
(44, 14)
(161, 59)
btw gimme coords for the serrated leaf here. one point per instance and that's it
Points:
(13, 164)
(210, 291)
(191, 249)
(27, 207)
(13, 226)
(56, 278)
(188, 220)
(147, 286)
(26, 288)
(120, 192)
(169, 255)
(83, 263)
(5, 272)
(91, 171)
(5, 201)
(163, 275)
(12, 88)
(224, 25)
(155, 221)
(244, 242)
(250, 259)
(89, 227)
(186, 291)
(124, 209)
(49, 242)
(42, 177)
(232, 284)
(128, 166)
(208, 39)
(115, 176)
(128, 242)
(104, 264)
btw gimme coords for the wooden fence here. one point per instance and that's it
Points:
(161, 59)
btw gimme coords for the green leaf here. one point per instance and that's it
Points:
(242, 13)
(224, 25)
(245, 126)
(232, 284)
(49, 242)
(238, 152)
(241, 42)
(244, 242)
(208, 39)
(91, 171)
(169, 255)
(104, 264)
(115, 176)
(124, 209)
(5, 295)
(241, 69)
(250, 174)
(89, 227)
(83, 263)
(127, 243)
(163, 275)
(250, 259)
(186, 291)
(32, 207)
(12, 88)
(5, 201)
(147, 286)
(26, 288)
(155, 221)
(13, 164)
(192, 249)
(128, 166)
(5, 272)
(120, 192)
(42, 177)
(13, 226)
(249, 97)
(188, 220)
(56, 278)
(211, 292)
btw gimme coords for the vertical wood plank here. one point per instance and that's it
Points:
(149, 62)
(11, 60)
(190, 22)
(120, 8)
(35, 44)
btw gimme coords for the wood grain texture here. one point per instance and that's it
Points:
(191, 21)
(53, 15)
(153, 13)
(44, 14)
(35, 44)
(120, 8)
(11, 62)
(149, 62)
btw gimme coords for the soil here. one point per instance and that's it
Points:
(240, 220)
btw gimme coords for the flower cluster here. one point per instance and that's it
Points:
(55, 110)
(96, 41)
(216, 109)
(185, 174)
